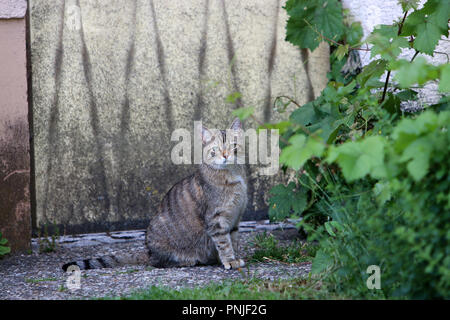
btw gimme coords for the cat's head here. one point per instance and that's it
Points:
(222, 147)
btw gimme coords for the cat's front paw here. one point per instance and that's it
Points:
(235, 264)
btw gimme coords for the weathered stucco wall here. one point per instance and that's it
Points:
(112, 80)
(15, 216)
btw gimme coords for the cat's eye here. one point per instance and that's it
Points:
(214, 151)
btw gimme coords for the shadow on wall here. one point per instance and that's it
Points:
(112, 80)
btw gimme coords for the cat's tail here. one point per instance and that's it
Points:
(110, 261)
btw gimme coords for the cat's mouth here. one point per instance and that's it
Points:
(222, 164)
(229, 160)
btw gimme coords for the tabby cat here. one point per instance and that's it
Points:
(198, 219)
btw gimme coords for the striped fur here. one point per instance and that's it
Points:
(110, 261)
(197, 220)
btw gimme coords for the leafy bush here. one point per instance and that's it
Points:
(402, 222)
(372, 178)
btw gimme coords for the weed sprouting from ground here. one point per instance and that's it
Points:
(30, 280)
(48, 243)
(268, 248)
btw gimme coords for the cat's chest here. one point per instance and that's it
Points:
(236, 182)
(232, 191)
(235, 193)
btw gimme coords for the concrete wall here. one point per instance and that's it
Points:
(15, 217)
(112, 79)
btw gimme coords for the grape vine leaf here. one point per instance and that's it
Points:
(311, 20)
(286, 201)
(386, 42)
(360, 158)
(243, 113)
(418, 71)
(408, 4)
(428, 24)
(444, 82)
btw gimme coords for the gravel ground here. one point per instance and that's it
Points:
(39, 276)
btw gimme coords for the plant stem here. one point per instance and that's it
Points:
(400, 27)
(303, 128)
(414, 56)
(289, 98)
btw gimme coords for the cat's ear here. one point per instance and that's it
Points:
(206, 135)
(236, 125)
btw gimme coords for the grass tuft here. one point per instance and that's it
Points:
(254, 289)
(269, 249)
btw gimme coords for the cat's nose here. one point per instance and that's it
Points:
(225, 155)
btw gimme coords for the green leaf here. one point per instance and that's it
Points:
(324, 119)
(444, 82)
(328, 19)
(442, 105)
(386, 42)
(354, 34)
(392, 104)
(382, 192)
(341, 51)
(329, 229)
(427, 38)
(408, 4)
(372, 71)
(286, 201)
(428, 24)
(329, 225)
(326, 128)
(291, 154)
(310, 20)
(408, 130)
(321, 262)
(282, 126)
(418, 71)
(407, 95)
(412, 142)
(4, 250)
(301, 150)
(306, 115)
(418, 154)
(299, 203)
(358, 159)
(346, 90)
(232, 97)
(243, 113)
